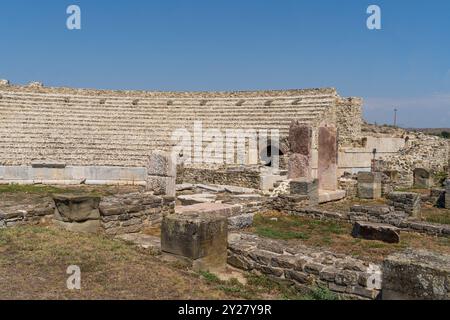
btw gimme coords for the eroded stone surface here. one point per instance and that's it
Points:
(200, 237)
(306, 187)
(376, 231)
(300, 138)
(328, 156)
(299, 166)
(76, 207)
(161, 185)
(369, 185)
(191, 199)
(422, 178)
(162, 164)
(416, 275)
(408, 202)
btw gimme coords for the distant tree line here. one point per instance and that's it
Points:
(445, 134)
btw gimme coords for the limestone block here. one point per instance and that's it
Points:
(328, 156)
(300, 139)
(35, 84)
(190, 199)
(369, 185)
(299, 166)
(408, 202)
(422, 178)
(76, 207)
(416, 275)
(376, 231)
(308, 187)
(162, 164)
(200, 238)
(161, 185)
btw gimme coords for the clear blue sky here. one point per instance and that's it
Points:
(240, 45)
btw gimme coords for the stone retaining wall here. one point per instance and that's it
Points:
(303, 266)
(26, 214)
(129, 213)
(247, 177)
(119, 214)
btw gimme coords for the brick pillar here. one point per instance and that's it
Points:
(300, 140)
(328, 156)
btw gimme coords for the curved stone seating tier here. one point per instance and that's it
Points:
(110, 128)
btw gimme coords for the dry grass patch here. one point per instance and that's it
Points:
(34, 260)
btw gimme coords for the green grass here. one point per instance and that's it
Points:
(37, 189)
(269, 232)
(441, 219)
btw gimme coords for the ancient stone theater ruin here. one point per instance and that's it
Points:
(203, 165)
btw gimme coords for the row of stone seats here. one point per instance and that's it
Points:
(116, 130)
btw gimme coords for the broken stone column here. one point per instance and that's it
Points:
(369, 185)
(416, 275)
(376, 231)
(199, 239)
(328, 156)
(408, 202)
(422, 178)
(306, 187)
(447, 195)
(161, 173)
(300, 140)
(77, 212)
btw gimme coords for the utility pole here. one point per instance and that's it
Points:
(395, 117)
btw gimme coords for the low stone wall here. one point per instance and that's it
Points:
(26, 214)
(303, 266)
(129, 213)
(119, 214)
(378, 214)
(408, 202)
(247, 177)
(416, 275)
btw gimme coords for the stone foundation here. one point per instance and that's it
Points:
(306, 187)
(418, 275)
(376, 231)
